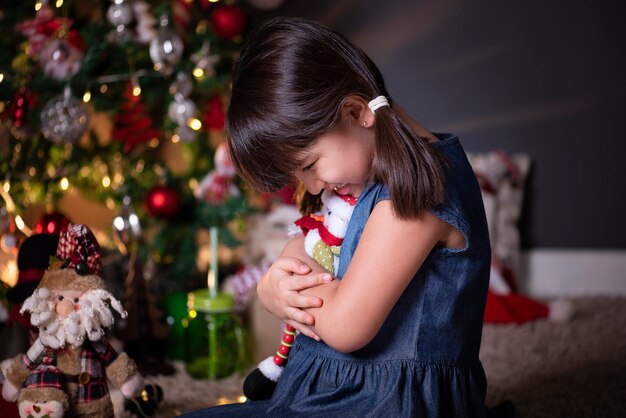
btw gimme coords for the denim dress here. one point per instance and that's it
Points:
(424, 360)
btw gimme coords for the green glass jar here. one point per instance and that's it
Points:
(217, 343)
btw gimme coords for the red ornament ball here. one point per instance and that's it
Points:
(214, 116)
(228, 21)
(52, 223)
(162, 202)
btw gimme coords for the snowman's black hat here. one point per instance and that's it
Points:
(33, 259)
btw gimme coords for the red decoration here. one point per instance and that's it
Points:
(285, 196)
(162, 202)
(21, 108)
(17, 113)
(228, 21)
(181, 9)
(214, 116)
(132, 126)
(513, 308)
(52, 223)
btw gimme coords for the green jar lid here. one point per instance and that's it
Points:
(201, 300)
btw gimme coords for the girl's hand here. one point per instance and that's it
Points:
(279, 292)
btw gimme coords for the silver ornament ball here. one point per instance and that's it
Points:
(59, 59)
(64, 118)
(126, 226)
(120, 14)
(181, 110)
(167, 48)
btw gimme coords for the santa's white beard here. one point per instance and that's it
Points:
(59, 331)
(93, 316)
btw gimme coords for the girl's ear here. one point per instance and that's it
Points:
(355, 107)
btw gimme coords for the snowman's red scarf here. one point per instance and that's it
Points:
(310, 222)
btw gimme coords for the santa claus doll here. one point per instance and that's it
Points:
(65, 371)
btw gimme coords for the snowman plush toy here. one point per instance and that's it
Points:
(324, 232)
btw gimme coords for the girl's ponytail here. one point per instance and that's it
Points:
(407, 164)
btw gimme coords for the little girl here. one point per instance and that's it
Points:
(398, 334)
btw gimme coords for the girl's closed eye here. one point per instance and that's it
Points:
(310, 166)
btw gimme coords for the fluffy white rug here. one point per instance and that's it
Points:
(182, 393)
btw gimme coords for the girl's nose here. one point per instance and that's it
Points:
(313, 185)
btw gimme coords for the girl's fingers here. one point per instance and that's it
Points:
(292, 265)
(297, 300)
(300, 316)
(311, 280)
(304, 329)
(309, 333)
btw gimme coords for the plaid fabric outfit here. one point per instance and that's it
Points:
(95, 356)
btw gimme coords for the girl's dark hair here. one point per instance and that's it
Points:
(289, 83)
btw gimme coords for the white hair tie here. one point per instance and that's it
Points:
(380, 101)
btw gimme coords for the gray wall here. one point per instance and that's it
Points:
(545, 78)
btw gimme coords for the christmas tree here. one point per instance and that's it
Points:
(97, 96)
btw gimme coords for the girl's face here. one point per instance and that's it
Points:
(340, 160)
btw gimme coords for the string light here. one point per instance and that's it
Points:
(1, 77)
(64, 183)
(198, 72)
(134, 80)
(59, 3)
(38, 6)
(106, 181)
(84, 171)
(118, 178)
(19, 222)
(87, 96)
(9, 273)
(103, 88)
(10, 206)
(194, 124)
